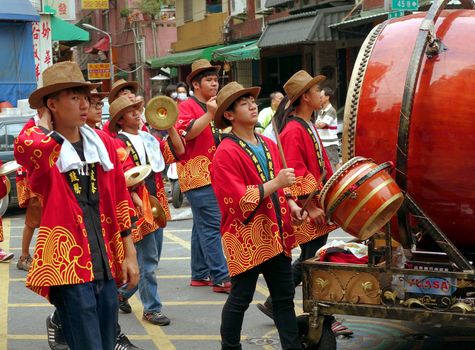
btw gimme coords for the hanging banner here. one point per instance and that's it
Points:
(65, 9)
(95, 4)
(42, 48)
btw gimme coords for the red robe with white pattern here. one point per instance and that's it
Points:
(239, 191)
(300, 153)
(62, 253)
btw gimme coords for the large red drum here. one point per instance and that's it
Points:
(441, 148)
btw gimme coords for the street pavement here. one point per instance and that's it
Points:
(194, 311)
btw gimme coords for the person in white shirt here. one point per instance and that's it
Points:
(266, 114)
(327, 125)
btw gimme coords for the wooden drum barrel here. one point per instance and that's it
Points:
(361, 197)
(440, 157)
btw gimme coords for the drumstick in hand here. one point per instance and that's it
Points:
(279, 144)
(311, 195)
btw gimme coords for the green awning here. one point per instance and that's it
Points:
(65, 31)
(250, 52)
(220, 54)
(182, 58)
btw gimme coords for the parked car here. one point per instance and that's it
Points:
(10, 127)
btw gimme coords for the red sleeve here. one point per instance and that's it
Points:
(186, 116)
(297, 158)
(233, 194)
(37, 151)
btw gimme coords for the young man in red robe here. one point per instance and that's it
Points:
(305, 153)
(148, 238)
(195, 124)
(256, 217)
(84, 246)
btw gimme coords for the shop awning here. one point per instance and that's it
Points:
(18, 10)
(101, 45)
(238, 52)
(360, 20)
(304, 28)
(65, 31)
(272, 3)
(182, 58)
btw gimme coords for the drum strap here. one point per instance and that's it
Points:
(350, 192)
(216, 133)
(317, 144)
(270, 165)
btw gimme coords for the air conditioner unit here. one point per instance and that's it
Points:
(238, 7)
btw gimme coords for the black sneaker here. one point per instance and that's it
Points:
(55, 335)
(266, 309)
(156, 318)
(123, 343)
(124, 304)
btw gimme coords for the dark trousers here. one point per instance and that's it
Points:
(88, 314)
(278, 276)
(307, 251)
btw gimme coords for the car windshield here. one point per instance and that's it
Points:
(8, 133)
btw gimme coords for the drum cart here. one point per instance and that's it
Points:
(380, 289)
(435, 287)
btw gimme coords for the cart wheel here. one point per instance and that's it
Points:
(177, 195)
(327, 340)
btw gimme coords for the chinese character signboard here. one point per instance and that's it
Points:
(95, 4)
(65, 9)
(98, 71)
(401, 5)
(42, 49)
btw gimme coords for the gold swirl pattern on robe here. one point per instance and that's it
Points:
(123, 215)
(23, 193)
(1, 230)
(304, 185)
(168, 154)
(308, 231)
(250, 200)
(194, 173)
(56, 260)
(252, 244)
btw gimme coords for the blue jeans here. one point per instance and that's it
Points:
(207, 257)
(88, 314)
(148, 250)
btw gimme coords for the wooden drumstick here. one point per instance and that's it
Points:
(279, 144)
(314, 192)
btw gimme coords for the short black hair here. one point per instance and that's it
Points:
(198, 77)
(169, 89)
(232, 107)
(74, 90)
(328, 92)
(183, 85)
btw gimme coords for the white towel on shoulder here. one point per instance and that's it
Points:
(152, 148)
(94, 152)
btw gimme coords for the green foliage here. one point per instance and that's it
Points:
(125, 12)
(150, 7)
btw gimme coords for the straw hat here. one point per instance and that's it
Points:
(59, 76)
(200, 66)
(119, 85)
(101, 95)
(228, 94)
(298, 84)
(117, 110)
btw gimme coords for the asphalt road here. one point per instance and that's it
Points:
(194, 311)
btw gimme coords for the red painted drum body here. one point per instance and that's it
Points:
(441, 148)
(361, 197)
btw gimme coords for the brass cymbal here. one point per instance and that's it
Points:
(9, 167)
(158, 212)
(161, 112)
(137, 174)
